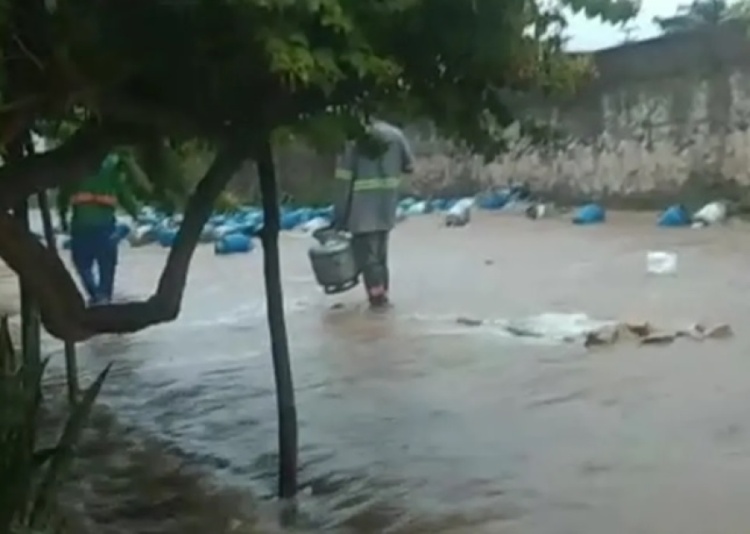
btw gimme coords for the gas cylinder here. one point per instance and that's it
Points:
(333, 263)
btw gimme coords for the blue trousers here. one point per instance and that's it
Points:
(95, 246)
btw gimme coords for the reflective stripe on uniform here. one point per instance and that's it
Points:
(369, 184)
(376, 184)
(93, 198)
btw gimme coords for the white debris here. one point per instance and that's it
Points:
(537, 211)
(660, 262)
(314, 224)
(142, 235)
(711, 213)
(460, 213)
(418, 208)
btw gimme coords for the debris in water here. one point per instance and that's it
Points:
(608, 335)
(522, 332)
(721, 331)
(699, 332)
(711, 213)
(639, 329)
(595, 339)
(460, 213)
(661, 262)
(659, 338)
(467, 321)
(578, 328)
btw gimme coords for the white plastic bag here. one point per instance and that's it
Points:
(661, 262)
(142, 235)
(711, 213)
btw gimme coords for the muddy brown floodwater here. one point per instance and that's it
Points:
(410, 422)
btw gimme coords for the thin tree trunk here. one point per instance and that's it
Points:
(30, 327)
(8, 363)
(71, 366)
(287, 410)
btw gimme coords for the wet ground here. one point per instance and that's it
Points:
(410, 422)
(123, 482)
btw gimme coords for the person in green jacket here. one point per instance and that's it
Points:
(92, 227)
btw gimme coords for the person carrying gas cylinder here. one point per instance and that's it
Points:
(368, 177)
(93, 203)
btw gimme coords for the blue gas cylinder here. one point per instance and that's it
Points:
(166, 236)
(674, 216)
(290, 220)
(493, 200)
(233, 244)
(122, 230)
(589, 214)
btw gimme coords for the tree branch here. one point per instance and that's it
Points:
(43, 273)
(64, 314)
(164, 305)
(80, 155)
(16, 116)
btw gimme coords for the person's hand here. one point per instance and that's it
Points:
(336, 224)
(321, 235)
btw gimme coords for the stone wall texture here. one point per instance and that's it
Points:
(665, 119)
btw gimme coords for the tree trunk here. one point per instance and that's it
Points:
(71, 366)
(8, 362)
(287, 411)
(30, 328)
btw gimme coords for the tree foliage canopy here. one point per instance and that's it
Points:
(703, 13)
(202, 67)
(157, 73)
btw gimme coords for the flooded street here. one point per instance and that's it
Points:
(411, 422)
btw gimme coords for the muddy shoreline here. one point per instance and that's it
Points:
(124, 482)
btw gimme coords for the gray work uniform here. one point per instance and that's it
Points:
(373, 182)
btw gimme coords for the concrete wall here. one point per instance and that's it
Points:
(665, 119)
(301, 172)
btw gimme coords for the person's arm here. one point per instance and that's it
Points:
(125, 196)
(343, 184)
(408, 160)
